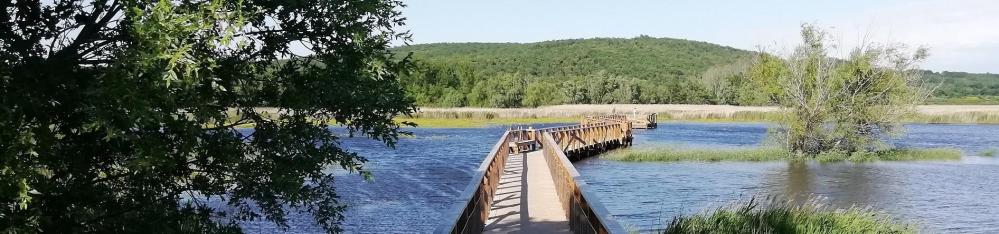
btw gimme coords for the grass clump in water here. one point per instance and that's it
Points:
(988, 153)
(668, 154)
(665, 154)
(890, 155)
(780, 216)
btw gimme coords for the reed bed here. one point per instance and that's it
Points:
(781, 216)
(988, 153)
(672, 154)
(710, 113)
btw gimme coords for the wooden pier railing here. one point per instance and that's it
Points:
(585, 213)
(471, 215)
(561, 146)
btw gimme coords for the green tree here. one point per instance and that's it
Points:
(540, 93)
(122, 115)
(841, 104)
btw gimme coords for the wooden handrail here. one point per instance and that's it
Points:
(585, 214)
(471, 215)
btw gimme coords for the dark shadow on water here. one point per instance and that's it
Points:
(841, 184)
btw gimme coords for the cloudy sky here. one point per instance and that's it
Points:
(963, 35)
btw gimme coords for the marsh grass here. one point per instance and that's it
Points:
(699, 113)
(780, 216)
(988, 153)
(670, 154)
(759, 154)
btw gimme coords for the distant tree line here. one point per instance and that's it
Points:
(449, 86)
(611, 71)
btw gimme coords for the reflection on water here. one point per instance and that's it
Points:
(798, 181)
(952, 197)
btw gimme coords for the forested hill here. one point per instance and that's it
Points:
(641, 57)
(600, 70)
(611, 70)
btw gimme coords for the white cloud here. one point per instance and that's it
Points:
(961, 35)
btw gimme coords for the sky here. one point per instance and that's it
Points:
(962, 35)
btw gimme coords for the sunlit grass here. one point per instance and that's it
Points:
(758, 154)
(780, 216)
(670, 154)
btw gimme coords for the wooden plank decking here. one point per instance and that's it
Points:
(526, 201)
(527, 183)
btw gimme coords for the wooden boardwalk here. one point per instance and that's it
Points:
(527, 183)
(526, 201)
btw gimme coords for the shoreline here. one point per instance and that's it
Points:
(480, 117)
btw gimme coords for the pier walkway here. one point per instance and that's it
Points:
(527, 183)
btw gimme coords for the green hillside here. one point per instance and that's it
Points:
(964, 88)
(610, 70)
(641, 57)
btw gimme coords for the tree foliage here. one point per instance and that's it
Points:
(656, 70)
(841, 104)
(121, 115)
(603, 70)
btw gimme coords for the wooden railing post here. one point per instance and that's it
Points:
(585, 215)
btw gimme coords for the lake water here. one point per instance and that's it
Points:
(415, 184)
(950, 197)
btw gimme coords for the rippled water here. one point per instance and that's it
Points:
(416, 183)
(952, 197)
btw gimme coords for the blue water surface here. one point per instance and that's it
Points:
(416, 183)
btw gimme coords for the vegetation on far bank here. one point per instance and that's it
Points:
(481, 122)
(614, 71)
(780, 216)
(759, 154)
(446, 118)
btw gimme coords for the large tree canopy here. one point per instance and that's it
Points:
(847, 104)
(121, 115)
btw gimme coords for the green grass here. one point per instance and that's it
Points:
(988, 153)
(739, 116)
(779, 216)
(672, 154)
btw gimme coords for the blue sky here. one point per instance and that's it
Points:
(963, 35)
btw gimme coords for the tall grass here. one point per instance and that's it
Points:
(781, 216)
(710, 113)
(959, 117)
(669, 154)
(758, 154)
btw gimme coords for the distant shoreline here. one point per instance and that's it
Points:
(683, 112)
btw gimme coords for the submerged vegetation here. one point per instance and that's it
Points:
(671, 154)
(780, 216)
